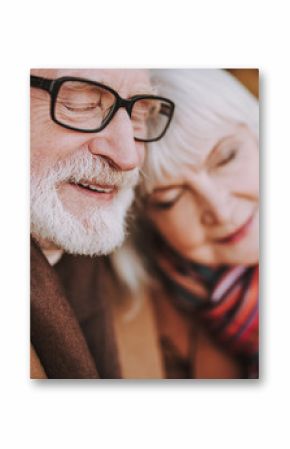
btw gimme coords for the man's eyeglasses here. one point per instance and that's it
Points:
(88, 106)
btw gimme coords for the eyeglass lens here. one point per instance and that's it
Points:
(82, 105)
(85, 106)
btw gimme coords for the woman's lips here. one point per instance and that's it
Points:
(238, 235)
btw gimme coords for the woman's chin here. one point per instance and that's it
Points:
(245, 256)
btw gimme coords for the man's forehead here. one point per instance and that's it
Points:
(125, 81)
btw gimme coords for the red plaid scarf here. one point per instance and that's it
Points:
(225, 299)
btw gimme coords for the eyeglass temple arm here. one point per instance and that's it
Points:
(41, 83)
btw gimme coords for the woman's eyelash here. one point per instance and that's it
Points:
(228, 158)
(165, 205)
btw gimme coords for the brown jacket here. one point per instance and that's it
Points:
(71, 327)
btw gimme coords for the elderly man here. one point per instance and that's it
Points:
(88, 134)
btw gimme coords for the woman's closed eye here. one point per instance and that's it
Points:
(226, 157)
(164, 199)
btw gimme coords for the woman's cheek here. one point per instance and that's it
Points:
(182, 235)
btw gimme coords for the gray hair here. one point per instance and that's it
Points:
(204, 99)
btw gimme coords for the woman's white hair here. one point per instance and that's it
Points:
(204, 99)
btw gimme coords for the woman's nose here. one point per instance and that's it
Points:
(116, 143)
(214, 205)
(208, 218)
(215, 211)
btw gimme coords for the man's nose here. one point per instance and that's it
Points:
(116, 143)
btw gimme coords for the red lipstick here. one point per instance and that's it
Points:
(237, 235)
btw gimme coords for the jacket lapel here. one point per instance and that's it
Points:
(87, 283)
(55, 332)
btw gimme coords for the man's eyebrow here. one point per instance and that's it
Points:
(143, 89)
(139, 89)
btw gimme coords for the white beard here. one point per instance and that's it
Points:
(98, 230)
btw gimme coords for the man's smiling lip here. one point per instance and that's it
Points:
(94, 190)
(237, 235)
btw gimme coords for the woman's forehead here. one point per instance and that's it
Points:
(197, 147)
(173, 168)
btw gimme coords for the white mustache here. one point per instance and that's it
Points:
(85, 167)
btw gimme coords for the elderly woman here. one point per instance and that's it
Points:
(198, 224)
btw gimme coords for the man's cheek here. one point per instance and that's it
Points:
(42, 158)
(141, 153)
(40, 133)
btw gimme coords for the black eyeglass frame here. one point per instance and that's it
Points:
(52, 86)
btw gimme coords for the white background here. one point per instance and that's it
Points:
(85, 414)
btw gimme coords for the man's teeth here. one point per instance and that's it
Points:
(97, 189)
